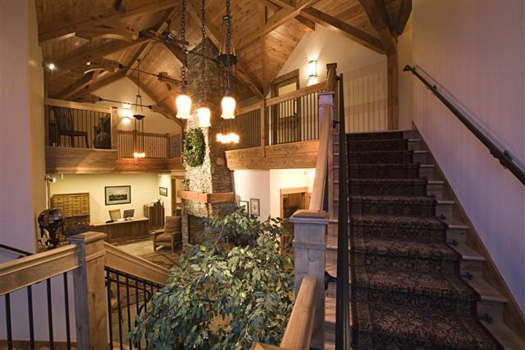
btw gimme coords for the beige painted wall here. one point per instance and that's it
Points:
(125, 90)
(22, 189)
(406, 81)
(144, 190)
(475, 52)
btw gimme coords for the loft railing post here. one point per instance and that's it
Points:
(114, 124)
(310, 259)
(90, 296)
(264, 121)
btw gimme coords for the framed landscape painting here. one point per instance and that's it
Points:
(117, 195)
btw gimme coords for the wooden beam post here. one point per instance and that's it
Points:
(90, 292)
(114, 126)
(310, 257)
(393, 91)
(263, 127)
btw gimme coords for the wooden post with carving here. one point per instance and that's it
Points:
(90, 293)
(310, 258)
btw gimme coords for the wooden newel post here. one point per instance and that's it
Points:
(90, 293)
(310, 258)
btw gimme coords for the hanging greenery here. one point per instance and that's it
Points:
(222, 297)
(194, 146)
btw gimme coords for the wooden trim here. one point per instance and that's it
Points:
(20, 273)
(207, 198)
(296, 94)
(152, 134)
(76, 105)
(298, 333)
(119, 260)
(293, 190)
(249, 108)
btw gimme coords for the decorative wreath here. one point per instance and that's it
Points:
(194, 147)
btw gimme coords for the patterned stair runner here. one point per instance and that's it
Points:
(406, 292)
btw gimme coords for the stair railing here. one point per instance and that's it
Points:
(342, 321)
(10, 249)
(503, 156)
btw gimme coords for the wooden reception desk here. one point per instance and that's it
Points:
(121, 231)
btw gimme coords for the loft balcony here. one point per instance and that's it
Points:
(84, 139)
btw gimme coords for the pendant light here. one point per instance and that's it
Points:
(183, 101)
(228, 102)
(138, 130)
(204, 113)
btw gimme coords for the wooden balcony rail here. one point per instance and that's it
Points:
(155, 145)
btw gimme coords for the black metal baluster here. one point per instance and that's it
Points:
(30, 317)
(108, 291)
(137, 304)
(119, 311)
(50, 314)
(129, 312)
(66, 301)
(8, 321)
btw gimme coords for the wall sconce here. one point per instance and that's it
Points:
(312, 69)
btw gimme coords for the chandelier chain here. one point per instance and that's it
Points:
(183, 46)
(203, 61)
(228, 46)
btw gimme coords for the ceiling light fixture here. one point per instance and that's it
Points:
(138, 130)
(228, 102)
(183, 101)
(312, 69)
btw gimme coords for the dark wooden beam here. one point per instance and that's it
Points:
(116, 31)
(63, 31)
(378, 17)
(344, 28)
(98, 84)
(405, 8)
(276, 7)
(75, 87)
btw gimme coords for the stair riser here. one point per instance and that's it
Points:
(492, 308)
(366, 208)
(420, 157)
(474, 267)
(445, 210)
(386, 190)
(414, 145)
(406, 263)
(456, 234)
(413, 301)
(378, 158)
(427, 172)
(435, 190)
(407, 234)
(407, 134)
(378, 145)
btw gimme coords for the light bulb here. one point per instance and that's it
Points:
(204, 115)
(228, 107)
(220, 137)
(51, 66)
(183, 103)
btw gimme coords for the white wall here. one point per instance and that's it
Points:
(406, 80)
(144, 190)
(125, 90)
(266, 185)
(164, 180)
(475, 51)
(22, 168)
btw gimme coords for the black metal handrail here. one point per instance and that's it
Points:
(16, 250)
(342, 323)
(503, 156)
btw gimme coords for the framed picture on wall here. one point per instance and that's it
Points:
(117, 195)
(245, 205)
(255, 206)
(163, 191)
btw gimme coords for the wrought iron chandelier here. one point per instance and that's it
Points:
(204, 113)
(183, 101)
(138, 130)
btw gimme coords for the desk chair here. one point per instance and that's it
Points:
(170, 235)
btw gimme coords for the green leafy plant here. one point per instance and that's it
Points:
(224, 297)
(194, 146)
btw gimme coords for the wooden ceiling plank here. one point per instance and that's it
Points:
(281, 17)
(353, 33)
(275, 7)
(143, 51)
(405, 9)
(211, 32)
(248, 81)
(378, 17)
(76, 86)
(69, 30)
(82, 55)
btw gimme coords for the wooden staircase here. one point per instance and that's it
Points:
(398, 164)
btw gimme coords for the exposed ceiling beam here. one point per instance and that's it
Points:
(76, 86)
(99, 83)
(405, 8)
(378, 17)
(114, 31)
(69, 30)
(353, 33)
(276, 7)
(82, 55)
(278, 19)
(211, 32)
(245, 79)
(161, 26)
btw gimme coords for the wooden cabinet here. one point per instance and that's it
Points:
(74, 206)
(155, 214)
(123, 231)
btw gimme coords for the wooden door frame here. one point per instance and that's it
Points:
(292, 190)
(173, 180)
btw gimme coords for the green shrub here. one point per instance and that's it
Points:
(220, 299)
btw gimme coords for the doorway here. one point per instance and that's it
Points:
(177, 184)
(292, 199)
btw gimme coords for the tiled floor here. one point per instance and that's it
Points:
(144, 249)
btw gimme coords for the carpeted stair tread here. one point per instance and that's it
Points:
(390, 171)
(375, 135)
(423, 291)
(381, 157)
(400, 221)
(388, 327)
(423, 206)
(388, 187)
(377, 145)
(425, 250)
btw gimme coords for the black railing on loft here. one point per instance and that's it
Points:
(503, 156)
(342, 320)
(31, 316)
(15, 250)
(133, 290)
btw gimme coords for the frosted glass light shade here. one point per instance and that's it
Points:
(228, 107)
(312, 69)
(126, 105)
(126, 113)
(204, 115)
(220, 137)
(230, 138)
(183, 103)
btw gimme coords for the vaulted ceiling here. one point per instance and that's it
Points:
(113, 35)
